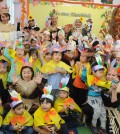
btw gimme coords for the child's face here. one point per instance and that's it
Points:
(46, 37)
(46, 106)
(19, 110)
(83, 58)
(34, 56)
(2, 51)
(3, 68)
(33, 43)
(27, 48)
(26, 74)
(57, 56)
(60, 36)
(48, 57)
(20, 52)
(54, 34)
(99, 74)
(63, 94)
(117, 60)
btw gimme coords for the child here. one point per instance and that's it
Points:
(1, 112)
(46, 119)
(34, 43)
(55, 69)
(18, 120)
(45, 55)
(79, 91)
(3, 81)
(67, 108)
(61, 38)
(36, 61)
(95, 86)
(16, 58)
(27, 47)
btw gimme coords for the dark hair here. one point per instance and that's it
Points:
(33, 51)
(33, 40)
(6, 14)
(47, 100)
(17, 105)
(31, 69)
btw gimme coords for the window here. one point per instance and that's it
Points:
(10, 4)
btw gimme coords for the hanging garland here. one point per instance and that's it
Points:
(82, 2)
(23, 12)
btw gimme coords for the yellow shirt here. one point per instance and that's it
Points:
(50, 66)
(24, 120)
(36, 65)
(42, 118)
(98, 82)
(4, 78)
(59, 103)
(78, 69)
(1, 112)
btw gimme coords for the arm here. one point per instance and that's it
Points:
(6, 53)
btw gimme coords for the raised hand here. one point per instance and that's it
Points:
(38, 78)
(14, 78)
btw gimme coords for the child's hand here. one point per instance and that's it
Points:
(21, 128)
(72, 62)
(38, 78)
(8, 44)
(72, 107)
(0, 102)
(47, 127)
(15, 127)
(14, 78)
(65, 107)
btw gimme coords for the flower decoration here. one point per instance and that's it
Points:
(30, 18)
(81, 19)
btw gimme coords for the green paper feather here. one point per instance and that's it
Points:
(98, 59)
(64, 85)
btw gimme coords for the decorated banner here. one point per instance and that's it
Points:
(96, 15)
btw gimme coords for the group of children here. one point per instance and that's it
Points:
(50, 76)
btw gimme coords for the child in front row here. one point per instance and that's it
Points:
(67, 108)
(1, 112)
(95, 86)
(46, 118)
(18, 120)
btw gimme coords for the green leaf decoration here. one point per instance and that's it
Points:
(102, 26)
(102, 15)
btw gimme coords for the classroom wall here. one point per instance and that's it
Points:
(67, 14)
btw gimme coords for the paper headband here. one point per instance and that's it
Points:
(97, 67)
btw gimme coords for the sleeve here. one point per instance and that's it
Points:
(38, 120)
(29, 119)
(104, 84)
(7, 119)
(6, 53)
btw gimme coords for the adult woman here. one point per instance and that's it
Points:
(54, 20)
(111, 100)
(29, 87)
(78, 27)
(7, 30)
